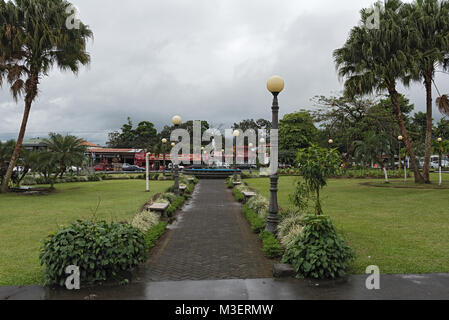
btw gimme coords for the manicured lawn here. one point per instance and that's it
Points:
(26, 220)
(401, 230)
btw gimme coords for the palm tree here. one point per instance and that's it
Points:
(373, 60)
(33, 39)
(371, 149)
(65, 151)
(427, 22)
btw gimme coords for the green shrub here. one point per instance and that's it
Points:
(229, 183)
(257, 224)
(238, 195)
(93, 177)
(168, 196)
(271, 246)
(319, 252)
(101, 250)
(175, 206)
(42, 180)
(29, 181)
(190, 188)
(153, 234)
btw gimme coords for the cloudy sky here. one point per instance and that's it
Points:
(201, 59)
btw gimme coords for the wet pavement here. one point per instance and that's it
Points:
(211, 240)
(392, 287)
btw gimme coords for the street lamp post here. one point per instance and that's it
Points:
(172, 165)
(177, 121)
(164, 142)
(275, 85)
(440, 140)
(400, 138)
(236, 133)
(147, 162)
(250, 147)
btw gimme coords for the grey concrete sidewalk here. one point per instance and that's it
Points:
(393, 287)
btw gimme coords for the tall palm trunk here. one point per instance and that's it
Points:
(397, 109)
(31, 90)
(426, 168)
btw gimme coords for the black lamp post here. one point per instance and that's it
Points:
(177, 121)
(275, 85)
(164, 141)
(236, 133)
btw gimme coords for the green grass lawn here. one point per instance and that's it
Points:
(26, 220)
(401, 230)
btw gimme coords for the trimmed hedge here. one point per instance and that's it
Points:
(271, 246)
(257, 224)
(153, 235)
(238, 195)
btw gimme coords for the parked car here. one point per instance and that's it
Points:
(102, 167)
(133, 168)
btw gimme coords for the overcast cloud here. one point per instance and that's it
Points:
(201, 59)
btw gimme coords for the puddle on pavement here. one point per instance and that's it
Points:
(190, 204)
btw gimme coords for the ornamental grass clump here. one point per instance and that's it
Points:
(290, 228)
(259, 205)
(145, 220)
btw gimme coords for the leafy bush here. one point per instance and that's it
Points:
(29, 181)
(145, 220)
(93, 177)
(238, 195)
(153, 234)
(101, 251)
(319, 252)
(175, 206)
(257, 224)
(170, 197)
(271, 246)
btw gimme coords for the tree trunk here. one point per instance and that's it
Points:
(31, 89)
(426, 168)
(15, 154)
(397, 109)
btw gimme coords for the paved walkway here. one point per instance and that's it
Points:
(212, 240)
(392, 287)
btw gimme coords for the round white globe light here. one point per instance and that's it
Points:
(275, 84)
(176, 120)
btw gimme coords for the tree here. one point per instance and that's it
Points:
(442, 129)
(63, 152)
(427, 23)
(251, 124)
(374, 60)
(316, 165)
(296, 131)
(33, 39)
(144, 136)
(346, 120)
(372, 148)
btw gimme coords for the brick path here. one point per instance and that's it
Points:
(211, 241)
